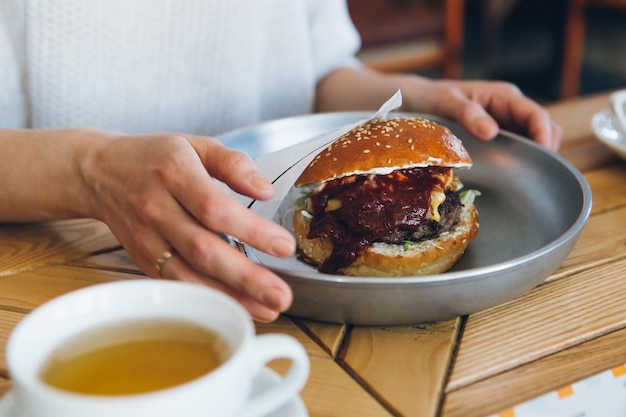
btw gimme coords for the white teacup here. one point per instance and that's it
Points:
(223, 392)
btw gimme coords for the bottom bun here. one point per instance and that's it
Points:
(427, 257)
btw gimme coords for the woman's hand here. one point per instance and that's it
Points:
(484, 106)
(159, 193)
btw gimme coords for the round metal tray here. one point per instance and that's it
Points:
(532, 210)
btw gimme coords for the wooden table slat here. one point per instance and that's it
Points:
(608, 187)
(385, 358)
(8, 321)
(5, 386)
(531, 380)
(330, 336)
(339, 384)
(580, 146)
(30, 246)
(27, 290)
(603, 240)
(118, 260)
(552, 317)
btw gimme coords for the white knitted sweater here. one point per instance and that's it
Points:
(195, 66)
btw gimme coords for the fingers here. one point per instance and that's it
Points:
(523, 115)
(208, 254)
(214, 208)
(180, 249)
(447, 99)
(204, 208)
(474, 118)
(266, 310)
(231, 167)
(483, 107)
(547, 133)
(178, 269)
(557, 136)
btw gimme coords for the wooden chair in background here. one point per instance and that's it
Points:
(574, 43)
(411, 35)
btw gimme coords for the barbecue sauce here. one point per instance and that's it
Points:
(371, 207)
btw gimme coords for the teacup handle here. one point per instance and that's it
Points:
(618, 99)
(278, 346)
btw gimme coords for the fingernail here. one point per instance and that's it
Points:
(259, 181)
(267, 316)
(273, 299)
(281, 247)
(485, 128)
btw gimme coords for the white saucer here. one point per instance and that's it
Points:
(608, 130)
(7, 406)
(294, 408)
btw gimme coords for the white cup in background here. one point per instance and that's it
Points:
(224, 392)
(618, 101)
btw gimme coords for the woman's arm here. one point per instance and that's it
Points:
(156, 192)
(41, 174)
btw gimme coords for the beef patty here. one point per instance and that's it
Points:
(449, 210)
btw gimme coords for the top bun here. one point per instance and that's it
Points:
(384, 145)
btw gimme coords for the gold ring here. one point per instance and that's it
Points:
(162, 260)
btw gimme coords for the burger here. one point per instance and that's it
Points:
(384, 200)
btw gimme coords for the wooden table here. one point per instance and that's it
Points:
(570, 327)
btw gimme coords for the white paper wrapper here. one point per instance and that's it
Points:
(283, 167)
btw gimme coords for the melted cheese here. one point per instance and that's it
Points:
(438, 195)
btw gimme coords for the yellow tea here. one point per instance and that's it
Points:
(134, 357)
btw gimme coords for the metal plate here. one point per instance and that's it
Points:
(532, 210)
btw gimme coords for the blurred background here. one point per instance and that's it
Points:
(552, 49)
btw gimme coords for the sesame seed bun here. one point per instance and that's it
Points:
(432, 256)
(384, 145)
